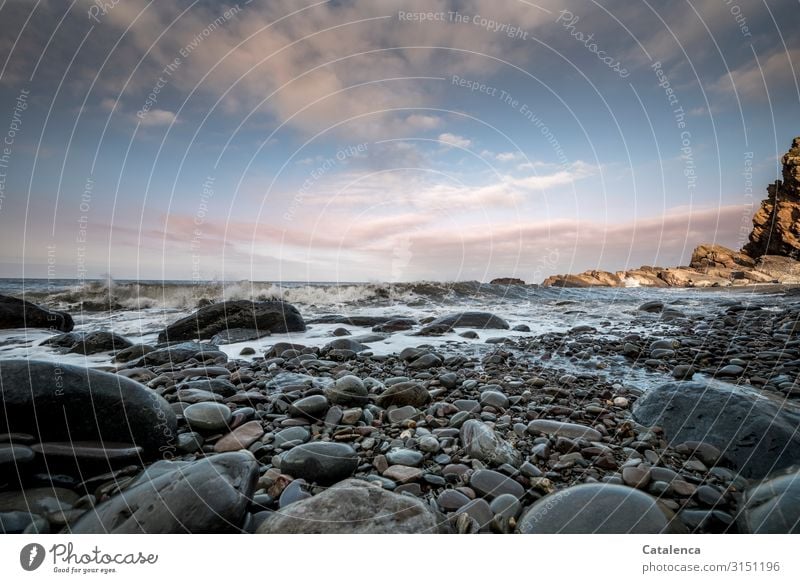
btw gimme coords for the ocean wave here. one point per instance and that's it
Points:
(110, 295)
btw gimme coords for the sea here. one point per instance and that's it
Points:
(138, 310)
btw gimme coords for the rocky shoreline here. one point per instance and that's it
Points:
(533, 435)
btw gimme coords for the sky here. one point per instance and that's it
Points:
(364, 140)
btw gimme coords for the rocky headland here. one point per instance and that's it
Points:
(771, 256)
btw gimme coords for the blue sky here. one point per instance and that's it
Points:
(355, 140)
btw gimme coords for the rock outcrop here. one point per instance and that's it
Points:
(776, 225)
(771, 256)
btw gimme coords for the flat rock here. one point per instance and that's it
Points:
(353, 507)
(402, 474)
(240, 438)
(571, 430)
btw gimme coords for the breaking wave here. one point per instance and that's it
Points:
(131, 295)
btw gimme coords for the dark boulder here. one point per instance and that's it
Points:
(206, 496)
(755, 433)
(270, 316)
(17, 313)
(480, 320)
(60, 402)
(88, 342)
(598, 509)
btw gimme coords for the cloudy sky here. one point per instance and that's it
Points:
(356, 140)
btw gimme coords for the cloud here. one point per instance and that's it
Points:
(423, 122)
(455, 140)
(509, 156)
(157, 117)
(770, 77)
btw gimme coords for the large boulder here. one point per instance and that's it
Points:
(353, 507)
(772, 506)
(88, 342)
(597, 509)
(206, 496)
(270, 316)
(756, 434)
(469, 320)
(17, 313)
(709, 256)
(776, 224)
(60, 402)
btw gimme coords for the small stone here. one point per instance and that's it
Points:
(506, 505)
(300, 434)
(402, 474)
(494, 399)
(240, 438)
(450, 500)
(207, 416)
(404, 457)
(320, 461)
(313, 407)
(620, 402)
(351, 416)
(348, 391)
(428, 444)
(571, 430)
(401, 414)
(709, 496)
(492, 484)
(190, 442)
(636, 477)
